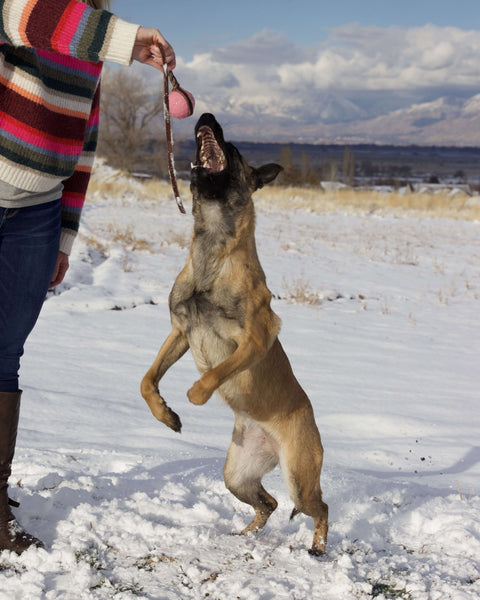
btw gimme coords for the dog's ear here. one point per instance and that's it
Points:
(265, 174)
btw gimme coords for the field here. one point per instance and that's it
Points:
(379, 295)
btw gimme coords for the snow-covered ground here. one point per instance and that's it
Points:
(381, 323)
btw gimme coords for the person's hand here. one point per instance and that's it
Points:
(147, 49)
(60, 269)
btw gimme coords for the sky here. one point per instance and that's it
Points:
(274, 70)
(198, 26)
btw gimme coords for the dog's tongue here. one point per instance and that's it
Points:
(211, 155)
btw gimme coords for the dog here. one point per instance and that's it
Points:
(220, 310)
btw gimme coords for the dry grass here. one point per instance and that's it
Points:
(120, 185)
(301, 291)
(440, 204)
(458, 206)
(95, 244)
(127, 239)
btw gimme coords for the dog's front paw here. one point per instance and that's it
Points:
(172, 420)
(198, 394)
(164, 413)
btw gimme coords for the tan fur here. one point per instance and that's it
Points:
(220, 310)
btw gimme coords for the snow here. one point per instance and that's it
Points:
(380, 322)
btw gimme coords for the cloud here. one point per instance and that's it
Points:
(358, 73)
(267, 48)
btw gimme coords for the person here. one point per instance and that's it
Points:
(51, 56)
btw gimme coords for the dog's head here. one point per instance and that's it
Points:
(220, 173)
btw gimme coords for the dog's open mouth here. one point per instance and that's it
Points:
(210, 155)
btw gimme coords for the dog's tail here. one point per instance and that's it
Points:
(295, 512)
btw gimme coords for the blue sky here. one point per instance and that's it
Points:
(295, 70)
(193, 26)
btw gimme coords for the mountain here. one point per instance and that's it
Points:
(446, 121)
(449, 121)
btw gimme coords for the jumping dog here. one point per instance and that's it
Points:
(220, 310)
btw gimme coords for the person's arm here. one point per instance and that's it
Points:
(75, 187)
(68, 27)
(75, 29)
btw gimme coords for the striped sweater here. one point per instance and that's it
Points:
(51, 54)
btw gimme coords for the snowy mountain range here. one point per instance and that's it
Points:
(446, 121)
(449, 121)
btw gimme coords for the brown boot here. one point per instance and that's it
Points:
(12, 536)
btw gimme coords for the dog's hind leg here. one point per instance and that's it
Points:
(301, 463)
(251, 455)
(172, 349)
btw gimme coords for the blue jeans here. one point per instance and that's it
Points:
(29, 241)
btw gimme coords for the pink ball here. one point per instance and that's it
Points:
(178, 104)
